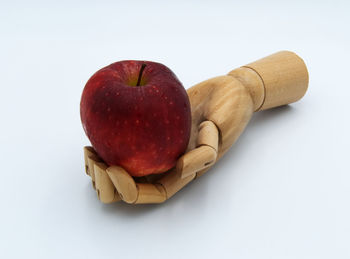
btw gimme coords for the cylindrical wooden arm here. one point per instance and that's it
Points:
(275, 80)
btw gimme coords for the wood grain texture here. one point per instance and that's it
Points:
(208, 135)
(285, 78)
(254, 84)
(196, 160)
(106, 192)
(221, 109)
(124, 183)
(150, 193)
(224, 101)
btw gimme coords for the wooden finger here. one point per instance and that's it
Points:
(196, 160)
(89, 152)
(91, 158)
(208, 134)
(124, 183)
(150, 193)
(105, 189)
(91, 165)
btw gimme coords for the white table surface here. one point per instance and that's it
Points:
(282, 191)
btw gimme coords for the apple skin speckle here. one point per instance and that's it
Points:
(144, 128)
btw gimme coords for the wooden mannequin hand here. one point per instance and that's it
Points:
(221, 108)
(221, 104)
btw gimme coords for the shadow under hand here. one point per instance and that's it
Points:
(268, 115)
(183, 199)
(238, 150)
(129, 210)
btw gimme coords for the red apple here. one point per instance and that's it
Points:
(137, 115)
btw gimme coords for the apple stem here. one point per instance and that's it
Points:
(140, 74)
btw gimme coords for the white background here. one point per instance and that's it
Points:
(281, 192)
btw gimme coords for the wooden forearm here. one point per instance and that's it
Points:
(278, 79)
